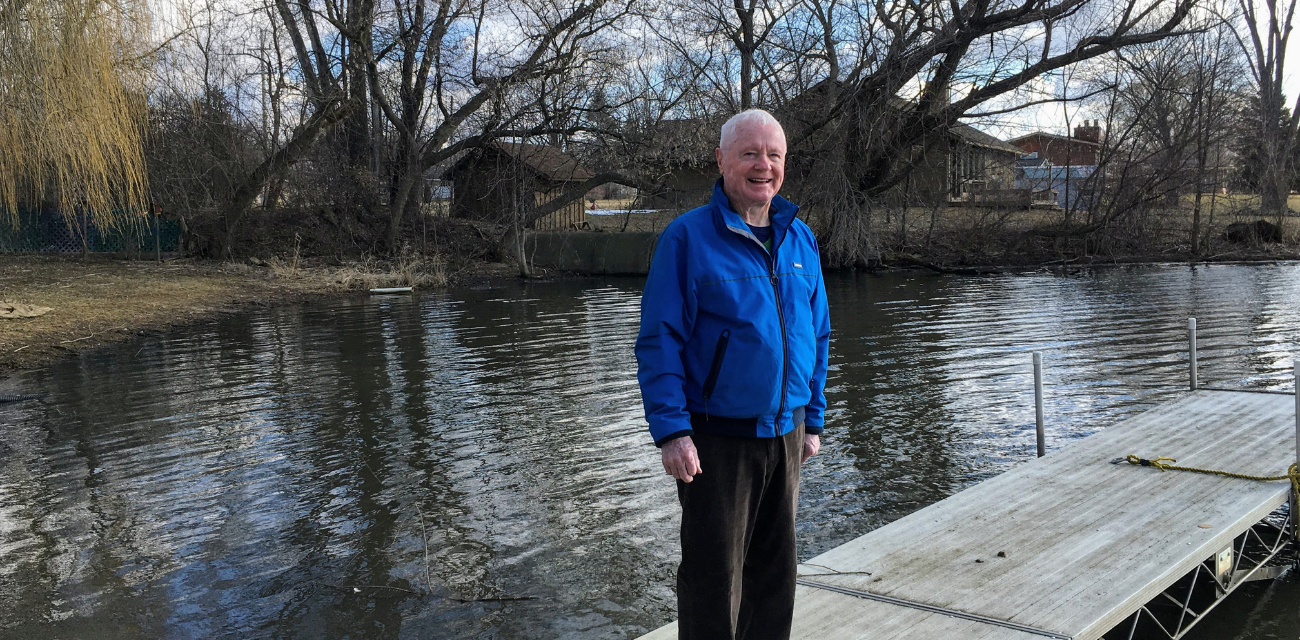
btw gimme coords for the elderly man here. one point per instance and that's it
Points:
(732, 362)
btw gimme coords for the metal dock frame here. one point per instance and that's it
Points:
(1179, 607)
(1250, 557)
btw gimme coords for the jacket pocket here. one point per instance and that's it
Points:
(719, 352)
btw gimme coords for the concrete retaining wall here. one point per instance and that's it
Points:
(593, 253)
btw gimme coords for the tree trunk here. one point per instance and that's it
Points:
(746, 47)
(1273, 192)
(407, 180)
(1275, 178)
(1196, 221)
(247, 190)
(746, 80)
(1202, 157)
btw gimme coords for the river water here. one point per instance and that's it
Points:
(474, 464)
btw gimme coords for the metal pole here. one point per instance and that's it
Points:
(1191, 347)
(1295, 509)
(157, 237)
(1038, 402)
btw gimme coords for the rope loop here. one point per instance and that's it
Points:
(1158, 463)
(1167, 464)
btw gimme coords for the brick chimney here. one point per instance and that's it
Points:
(1089, 131)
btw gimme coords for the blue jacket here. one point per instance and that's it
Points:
(733, 338)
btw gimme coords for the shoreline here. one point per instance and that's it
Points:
(906, 262)
(99, 300)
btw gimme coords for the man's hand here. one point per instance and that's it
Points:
(811, 445)
(680, 458)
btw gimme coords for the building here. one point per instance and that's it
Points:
(979, 168)
(1082, 149)
(437, 196)
(1060, 168)
(1065, 187)
(958, 164)
(505, 181)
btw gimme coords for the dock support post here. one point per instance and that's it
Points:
(1038, 402)
(1191, 344)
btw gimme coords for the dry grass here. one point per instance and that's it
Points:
(614, 203)
(1238, 201)
(99, 300)
(407, 271)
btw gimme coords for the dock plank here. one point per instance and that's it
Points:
(1086, 542)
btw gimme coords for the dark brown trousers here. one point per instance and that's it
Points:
(736, 580)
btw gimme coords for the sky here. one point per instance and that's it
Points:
(1059, 119)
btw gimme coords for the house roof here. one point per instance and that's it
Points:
(980, 139)
(1044, 134)
(548, 161)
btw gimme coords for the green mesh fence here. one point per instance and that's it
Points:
(47, 231)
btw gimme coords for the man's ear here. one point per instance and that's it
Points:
(717, 155)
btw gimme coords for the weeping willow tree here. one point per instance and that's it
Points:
(72, 108)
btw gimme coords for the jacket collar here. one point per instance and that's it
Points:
(782, 213)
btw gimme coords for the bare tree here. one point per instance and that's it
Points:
(329, 76)
(868, 89)
(1216, 88)
(444, 86)
(1264, 42)
(1169, 110)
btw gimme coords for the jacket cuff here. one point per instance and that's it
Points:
(810, 430)
(673, 436)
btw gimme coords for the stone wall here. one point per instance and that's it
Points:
(591, 253)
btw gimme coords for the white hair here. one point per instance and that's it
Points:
(756, 117)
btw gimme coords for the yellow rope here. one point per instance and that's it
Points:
(1292, 473)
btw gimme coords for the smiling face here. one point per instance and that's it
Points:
(753, 166)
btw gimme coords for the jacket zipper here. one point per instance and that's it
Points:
(780, 313)
(711, 380)
(780, 317)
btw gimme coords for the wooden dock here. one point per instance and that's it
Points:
(1070, 545)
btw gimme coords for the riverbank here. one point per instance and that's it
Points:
(975, 239)
(97, 300)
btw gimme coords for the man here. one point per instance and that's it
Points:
(732, 362)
